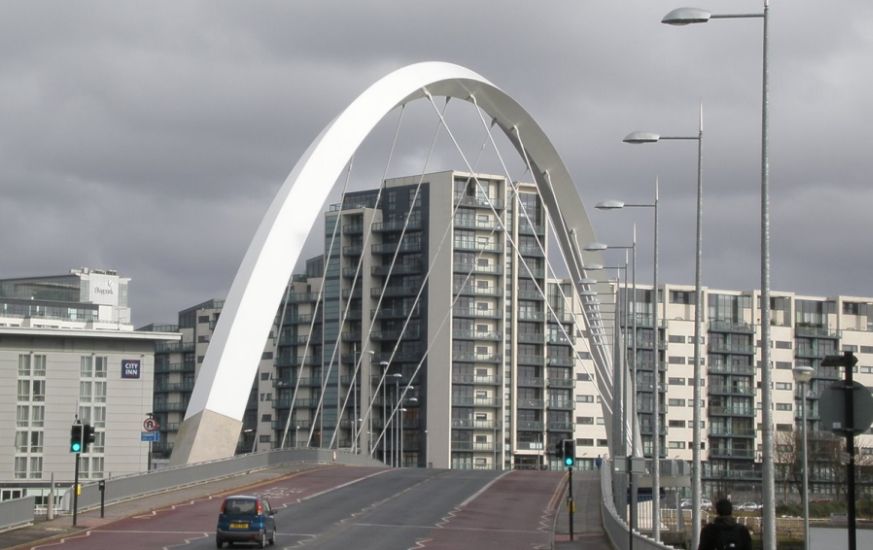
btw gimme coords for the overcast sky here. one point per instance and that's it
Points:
(150, 137)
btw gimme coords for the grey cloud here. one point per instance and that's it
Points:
(152, 137)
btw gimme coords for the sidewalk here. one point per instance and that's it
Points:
(587, 530)
(62, 526)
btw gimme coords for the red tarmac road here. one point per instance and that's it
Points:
(181, 524)
(514, 510)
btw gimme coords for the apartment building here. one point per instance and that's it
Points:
(428, 333)
(804, 329)
(457, 347)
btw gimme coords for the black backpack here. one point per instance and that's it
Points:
(730, 537)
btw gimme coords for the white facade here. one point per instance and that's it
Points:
(90, 365)
(803, 330)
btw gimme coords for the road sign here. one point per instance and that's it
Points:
(150, 424)
(152, 437)
(832, 408)
(638, 465)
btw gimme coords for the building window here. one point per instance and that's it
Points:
(584, 399)
(676, 402)
(674, 360)
(681, 297)
(20, 467)
(676, 381)
(584, 420)
(783, 385)
(676, 444)
(585, 442)
(783, 406)
(677, 423)
(24, 365)
(783, 365)
(38, 365)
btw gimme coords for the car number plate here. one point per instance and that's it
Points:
(239, 525)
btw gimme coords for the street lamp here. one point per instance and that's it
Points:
(383, 382)
(394, 441)
(802, 375)
(696, 484)
(632, 520)
(618, 419)
(656, 447)
(685, 16)
(400, 452)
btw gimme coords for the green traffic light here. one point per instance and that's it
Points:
(76, 447)
(568, 461)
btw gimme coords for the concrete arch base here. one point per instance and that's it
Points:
(202, 434)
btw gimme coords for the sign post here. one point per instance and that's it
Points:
(151, 434)
(848, 424)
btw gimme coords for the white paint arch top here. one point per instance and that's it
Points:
(216, 407)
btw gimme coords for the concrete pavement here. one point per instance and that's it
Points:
(587, 530)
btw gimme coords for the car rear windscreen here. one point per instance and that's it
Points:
(240, 506)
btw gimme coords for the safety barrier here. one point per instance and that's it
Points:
(16, 513)
(615, 527)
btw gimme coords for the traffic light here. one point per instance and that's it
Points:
(76, 441)
(559, 449)
(569, 452)
(87, 436)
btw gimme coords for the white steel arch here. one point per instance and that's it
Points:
(214, 416)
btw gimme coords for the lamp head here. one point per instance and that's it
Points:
(686, 16)
(802, 374)
(641, 137)
(595, 247)
(609, 205)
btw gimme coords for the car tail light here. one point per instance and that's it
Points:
(260, 508)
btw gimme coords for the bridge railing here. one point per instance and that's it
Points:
(16, 513)
(616, 528)
(120, 489)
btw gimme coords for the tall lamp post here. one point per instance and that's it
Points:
(395, 458)
(656, 435)
(802, 375)
(619, 434)
(630, 387)
(384, 383)
(696, 484)
(685, 16)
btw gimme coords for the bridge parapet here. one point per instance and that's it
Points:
(616, 528)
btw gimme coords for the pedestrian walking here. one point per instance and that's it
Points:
(724, 533)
